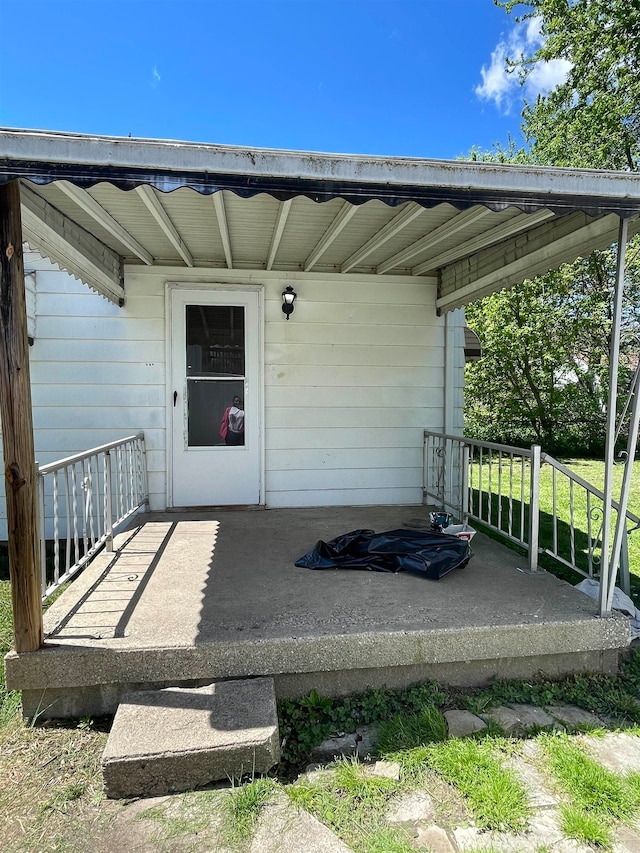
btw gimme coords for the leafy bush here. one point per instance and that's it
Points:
(305, 723)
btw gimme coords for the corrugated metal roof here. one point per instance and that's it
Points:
(462, 222)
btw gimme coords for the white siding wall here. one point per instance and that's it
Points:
(97, 371)
(351, 380)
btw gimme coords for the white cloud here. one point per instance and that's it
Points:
(497, 83)
(155, 77)
(533, 27)
(546, 76)
(502, 86)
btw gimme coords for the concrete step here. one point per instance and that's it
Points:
(177, 739)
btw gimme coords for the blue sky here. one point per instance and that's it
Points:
(422, 78)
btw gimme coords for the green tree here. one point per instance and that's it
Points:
(544, 374)
(592, 119)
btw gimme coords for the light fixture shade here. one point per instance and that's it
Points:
(288, 298)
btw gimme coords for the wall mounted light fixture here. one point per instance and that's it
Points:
(288, 298)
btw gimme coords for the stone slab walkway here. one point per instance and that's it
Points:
(415, 813)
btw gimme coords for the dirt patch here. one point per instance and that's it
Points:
(51, 800)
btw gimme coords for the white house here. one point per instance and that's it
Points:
(161, 298)
(336, 398)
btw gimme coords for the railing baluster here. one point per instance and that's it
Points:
(572, 528)
(465, 483)
(85, 524)
(120, 482)
(510, 531)
(89, 522)
(554, 498)
(522, 479)
(499, 490)
(589, 536)
(76, 532)
(56, 531)
(490, 487)
(130, 459)
(625, 579)
(67, 556)
(472, 456)
(108, 522)
(95, 500)
(480, 471)
(43, 537)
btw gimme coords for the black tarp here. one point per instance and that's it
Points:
(425, 552)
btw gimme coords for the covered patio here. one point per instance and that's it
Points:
(188, 599)
(136, 220)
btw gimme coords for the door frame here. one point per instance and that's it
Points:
(211, 286)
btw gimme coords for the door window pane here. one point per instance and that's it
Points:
(210, 402)
(215, 340)
(215, 336)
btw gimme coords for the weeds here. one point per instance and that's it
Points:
(616, 696)
(189, 814)
(9, 700)
(583, 826)
(386, 840)
(598, 798)
(353, 804)
(305, 723)
(405, 731)
(243, 808)
(494, 794)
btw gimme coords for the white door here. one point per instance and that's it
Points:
(215, 398)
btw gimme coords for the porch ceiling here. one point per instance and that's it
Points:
(92, 204)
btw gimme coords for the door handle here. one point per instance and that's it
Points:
(175, 398)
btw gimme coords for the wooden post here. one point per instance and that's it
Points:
(17, 430)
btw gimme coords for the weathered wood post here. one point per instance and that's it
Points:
(17, 429)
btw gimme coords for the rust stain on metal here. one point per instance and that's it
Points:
(10, 251)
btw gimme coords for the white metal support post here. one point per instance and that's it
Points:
(465, 483)
(534, 507)
(447, 413)
(607, 565)
(619, 540)
(108, 515)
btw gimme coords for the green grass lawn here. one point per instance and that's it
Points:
(9, 702)
(507, 514)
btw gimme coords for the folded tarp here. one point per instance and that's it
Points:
(428, 553)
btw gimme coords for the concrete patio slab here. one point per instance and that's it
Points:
(188, 599)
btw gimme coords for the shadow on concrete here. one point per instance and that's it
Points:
(113, 596)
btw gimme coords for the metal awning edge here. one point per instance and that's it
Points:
(45, 156)
(284, 189)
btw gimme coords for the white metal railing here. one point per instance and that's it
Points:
(81, 500)
(499, 486)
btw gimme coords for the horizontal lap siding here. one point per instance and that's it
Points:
(97, 370)
(351, 381)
